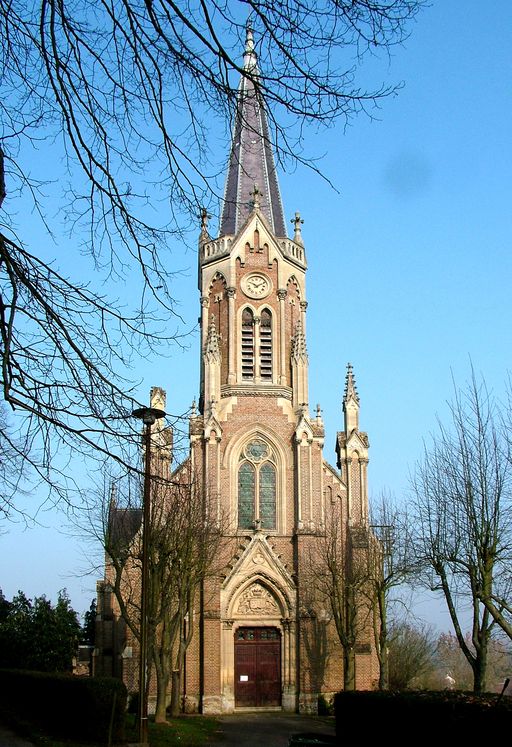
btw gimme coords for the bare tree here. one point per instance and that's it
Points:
(452, 671)
(184, 547)
(391, 563)
(462, 495)
(11, 460)
(121, 96)
(338, 577)
(411, 654)
(499, 601)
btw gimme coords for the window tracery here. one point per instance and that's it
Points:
(257, 479)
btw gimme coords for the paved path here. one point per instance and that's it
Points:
(268, 729)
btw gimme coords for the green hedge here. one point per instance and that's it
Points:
(408, 716)
(82, 708)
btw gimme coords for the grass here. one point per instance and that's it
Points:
(188, 731)
(191, 731)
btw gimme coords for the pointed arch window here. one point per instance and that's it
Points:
(257, 486)
(266, 345)
(247, 344)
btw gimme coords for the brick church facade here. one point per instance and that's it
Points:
(258, 447)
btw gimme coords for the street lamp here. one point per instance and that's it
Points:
(149, 416)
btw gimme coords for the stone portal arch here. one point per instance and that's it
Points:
(258, 630)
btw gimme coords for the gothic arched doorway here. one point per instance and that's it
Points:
(257, 667)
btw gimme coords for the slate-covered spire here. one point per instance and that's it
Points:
(251, 161)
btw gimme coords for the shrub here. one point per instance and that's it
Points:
(84, 708)
(449, 715)
(325, 706)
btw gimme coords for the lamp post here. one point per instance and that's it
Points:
(149, 416)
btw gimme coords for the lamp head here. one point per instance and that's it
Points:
(148, 415)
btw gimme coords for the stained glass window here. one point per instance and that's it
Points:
(267, 495)
(256, 450)
(257, 486)
(246, 495)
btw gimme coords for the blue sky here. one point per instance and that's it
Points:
(409, 266)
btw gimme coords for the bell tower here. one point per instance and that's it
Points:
(252, 276)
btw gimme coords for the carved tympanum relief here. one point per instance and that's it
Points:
(257, 600)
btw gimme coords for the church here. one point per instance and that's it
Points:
(258, 445)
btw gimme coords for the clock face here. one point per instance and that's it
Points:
(256, 285)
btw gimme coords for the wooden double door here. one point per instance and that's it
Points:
(257, 667)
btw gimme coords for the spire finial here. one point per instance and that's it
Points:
(204, 217)
(350, 385)
(250, 56)
(297, 222)
(113, 495)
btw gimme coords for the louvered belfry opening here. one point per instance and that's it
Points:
(266, 345)
(247, 344)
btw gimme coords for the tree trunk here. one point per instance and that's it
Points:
(383, 641)
(161, 704)
(384, 668)
(499, 615)
(480, 670)
(162, 686)
(349, 668)
(175, 693)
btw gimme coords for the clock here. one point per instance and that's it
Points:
(256, 285)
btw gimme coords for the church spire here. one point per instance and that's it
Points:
(350, 385)
(251, 160)
(351, 401)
